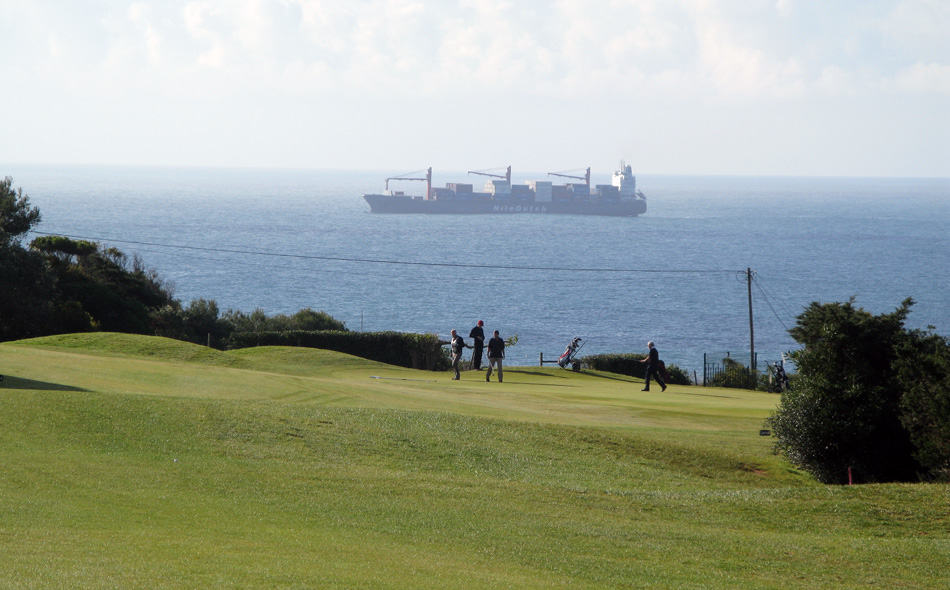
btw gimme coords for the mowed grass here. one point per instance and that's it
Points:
(137, 462)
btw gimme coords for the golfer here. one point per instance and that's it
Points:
(478, 336)
(458, 344)
(496, 352)
(653, 367)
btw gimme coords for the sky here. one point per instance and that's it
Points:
(757, 87)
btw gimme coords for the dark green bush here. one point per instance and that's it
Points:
(416, 351)
(257, 321)
(63, 247)
(863, 402)
(98, 288)
(734, 374)
(923, 367)
(629, 364)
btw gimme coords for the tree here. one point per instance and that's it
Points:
(16, 215)
(63, 249)
(844, 413)
(169, 321)
(202, 324)
(26, 294)
(923, 366)
(26, 286)
(240, 321)
(100, 288)
(257, 321)
(308, 319)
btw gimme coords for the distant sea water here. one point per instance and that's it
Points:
(282, 240)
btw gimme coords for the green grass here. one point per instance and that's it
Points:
(136, 462)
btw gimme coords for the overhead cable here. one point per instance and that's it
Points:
(394, 262)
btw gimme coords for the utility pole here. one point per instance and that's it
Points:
(752, 367)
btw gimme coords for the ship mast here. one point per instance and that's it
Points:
(585, 178)
(427, 179)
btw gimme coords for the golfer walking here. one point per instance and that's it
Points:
(496, 352)
(653, 367)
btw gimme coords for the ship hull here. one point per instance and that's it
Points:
(395, 204)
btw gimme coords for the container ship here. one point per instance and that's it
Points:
(499, 196)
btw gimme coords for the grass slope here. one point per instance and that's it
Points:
(131, 461)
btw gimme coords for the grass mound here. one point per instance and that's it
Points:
(132, 345)
(288, 468)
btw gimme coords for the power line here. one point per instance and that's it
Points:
(768, 301)
(788, 311)
(372, 274)
(379, 274)
(393, 262)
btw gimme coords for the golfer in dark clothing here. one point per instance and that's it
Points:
(496, 352)
(653, 367)
(457, 346)
(478, 337)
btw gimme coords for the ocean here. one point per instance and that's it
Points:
(283, 240)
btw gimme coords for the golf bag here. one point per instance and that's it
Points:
(570, 355)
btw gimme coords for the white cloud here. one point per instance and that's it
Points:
(919, 26)
(534, 65)
(407, 48)
(784, 7)
(836, 81)
(924, 78)
(196, 18)
(740, 70)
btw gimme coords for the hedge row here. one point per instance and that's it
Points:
(629, 364)
(416, 351)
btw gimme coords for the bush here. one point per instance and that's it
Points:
(629, 364)
(869, 397)
(415, 351)
(734, 374)
(99, 288)
(923, 365)
(257, 321)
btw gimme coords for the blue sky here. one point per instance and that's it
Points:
(675, 87)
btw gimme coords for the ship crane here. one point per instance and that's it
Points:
(506, 177)
(406, 176)
(585, 178)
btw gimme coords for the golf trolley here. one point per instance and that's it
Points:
(778, 379)
(570, 355)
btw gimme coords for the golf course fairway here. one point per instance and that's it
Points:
(142, 462)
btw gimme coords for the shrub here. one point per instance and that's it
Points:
(734, 374)
(99, 288)
(923, 366)
(629, 364)
(257, 321)
(845, 411)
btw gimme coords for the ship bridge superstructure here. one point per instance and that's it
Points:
(626, 182)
